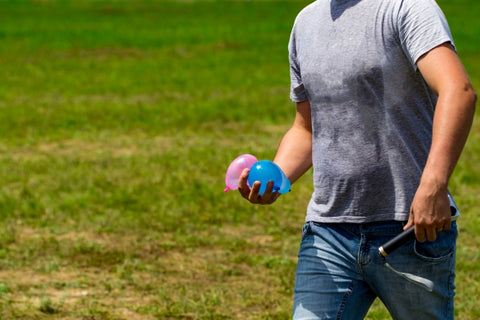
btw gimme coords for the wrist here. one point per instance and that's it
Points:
(434, 181)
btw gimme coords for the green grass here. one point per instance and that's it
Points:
(117, 122)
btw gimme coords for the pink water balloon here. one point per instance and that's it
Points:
(244, 161)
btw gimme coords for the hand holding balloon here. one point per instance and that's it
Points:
(258, 181)
(251, 193)
(265, 171)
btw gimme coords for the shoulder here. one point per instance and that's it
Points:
(312, 11)
(416, 7)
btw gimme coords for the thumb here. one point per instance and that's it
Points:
(410, 222)
(242, 180)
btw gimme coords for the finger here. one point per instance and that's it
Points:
(409, 224)
(431, 234)
(268, 190)
(269, 195)
(243, 184)
(444, 224)
(254, 196)
(447, 225)
(410, 221)
(242, 180)
(420, 234)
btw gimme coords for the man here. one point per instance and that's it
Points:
(384, 107)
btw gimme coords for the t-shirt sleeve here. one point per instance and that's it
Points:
(297, 89)
(422, 27)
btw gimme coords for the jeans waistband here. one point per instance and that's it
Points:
(381, 227)
(392, 227)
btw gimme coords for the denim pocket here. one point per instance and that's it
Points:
(439, 250)
(306, 229)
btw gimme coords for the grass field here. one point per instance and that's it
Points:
(117, 122)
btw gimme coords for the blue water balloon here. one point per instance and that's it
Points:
(265, 171)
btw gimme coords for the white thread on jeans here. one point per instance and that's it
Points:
(422, 282)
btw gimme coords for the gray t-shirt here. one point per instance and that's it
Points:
(372, 112)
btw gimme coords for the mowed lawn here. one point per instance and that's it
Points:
(118, 120)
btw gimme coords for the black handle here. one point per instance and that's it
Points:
(404, 237)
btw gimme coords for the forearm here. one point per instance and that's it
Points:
(451, 125)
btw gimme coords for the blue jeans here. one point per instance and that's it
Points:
(340, 273)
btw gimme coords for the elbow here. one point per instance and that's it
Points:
(472, 98)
